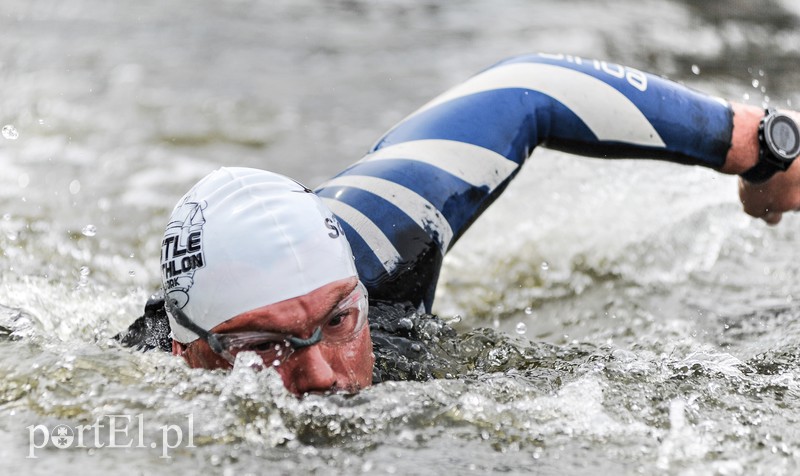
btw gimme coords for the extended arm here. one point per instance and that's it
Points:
(424, 182)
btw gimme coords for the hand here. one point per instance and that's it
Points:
(779, 194)
(770, 199)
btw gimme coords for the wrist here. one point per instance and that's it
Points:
(778, 146)
(743, 154)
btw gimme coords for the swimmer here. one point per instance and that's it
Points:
(255, 261)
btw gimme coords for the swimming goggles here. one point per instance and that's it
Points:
(341, 325)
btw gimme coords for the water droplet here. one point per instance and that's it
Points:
(10, 132)
(85, 271)
(131, 273)
(695, 69)
(545, 266)
(276, 363)
(11, 235)
(746, 96)
(6, 216)
(528, 310)
(74, 187)
(521, 328)
(89, 230)
(41, 122)
(132, 255)
(755, 83)
(497, 356)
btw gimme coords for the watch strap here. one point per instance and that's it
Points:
(761, 172)
(767, 165)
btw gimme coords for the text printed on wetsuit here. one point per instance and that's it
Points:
(634, 77)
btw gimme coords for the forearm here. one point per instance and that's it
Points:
(743, 153)
(583, 106)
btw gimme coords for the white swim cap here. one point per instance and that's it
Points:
(244, 238)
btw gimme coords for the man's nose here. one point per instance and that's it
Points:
(310, 371)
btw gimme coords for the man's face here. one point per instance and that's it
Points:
(322, 367)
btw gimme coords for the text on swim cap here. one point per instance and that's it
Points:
(177, 259)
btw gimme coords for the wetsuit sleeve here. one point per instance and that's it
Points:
(425, 181)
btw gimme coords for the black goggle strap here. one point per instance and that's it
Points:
(299, 343)
(182, 319)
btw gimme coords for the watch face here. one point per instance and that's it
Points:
(783, 137)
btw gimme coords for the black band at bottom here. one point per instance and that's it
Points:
(760, 173)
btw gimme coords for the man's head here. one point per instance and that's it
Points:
(252, 260)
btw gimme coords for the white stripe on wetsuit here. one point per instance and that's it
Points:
(473, 164)
(591, 99)
(478, 166)
(410, 202)
(385, 251)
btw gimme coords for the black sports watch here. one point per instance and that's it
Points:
(778, 146)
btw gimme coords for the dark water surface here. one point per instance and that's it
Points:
(630, 319)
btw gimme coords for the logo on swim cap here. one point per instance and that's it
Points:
(242, 239)
(182, 250)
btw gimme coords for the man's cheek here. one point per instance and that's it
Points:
(200, 358)
(362, 360)
(359, 351)
(354, 354)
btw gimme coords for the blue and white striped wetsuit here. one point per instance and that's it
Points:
(425, 181)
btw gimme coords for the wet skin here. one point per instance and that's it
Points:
(323, 367)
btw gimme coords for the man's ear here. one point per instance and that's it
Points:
(178, 348)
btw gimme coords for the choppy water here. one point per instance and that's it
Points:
(634, 321)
